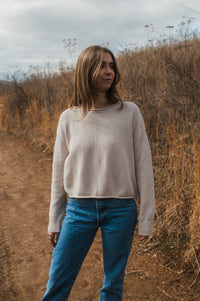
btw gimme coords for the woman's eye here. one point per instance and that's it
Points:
(104, 66)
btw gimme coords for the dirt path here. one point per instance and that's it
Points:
(25, 252)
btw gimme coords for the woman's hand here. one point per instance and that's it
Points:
(142, 237)
(53, 237)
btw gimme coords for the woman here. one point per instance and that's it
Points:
(102, 161)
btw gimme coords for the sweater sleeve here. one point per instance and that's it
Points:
(144, 176)
(58, 194)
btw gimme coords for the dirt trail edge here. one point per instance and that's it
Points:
(25, 252)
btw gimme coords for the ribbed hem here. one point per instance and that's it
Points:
(101, 197)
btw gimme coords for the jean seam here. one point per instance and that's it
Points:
(97, 212)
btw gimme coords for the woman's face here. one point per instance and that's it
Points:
(106, 74)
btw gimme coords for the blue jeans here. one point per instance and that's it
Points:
(117, 219)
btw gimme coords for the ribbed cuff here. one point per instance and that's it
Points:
(145, 228)
(55, 223)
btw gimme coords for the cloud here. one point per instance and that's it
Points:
(31, 32)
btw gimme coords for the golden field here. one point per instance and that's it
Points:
(164, 81)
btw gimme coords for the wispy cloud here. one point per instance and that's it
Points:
(31, 32)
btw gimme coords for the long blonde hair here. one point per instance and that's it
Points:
(87, 69)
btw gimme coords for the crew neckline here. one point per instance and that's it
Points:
(105, 108)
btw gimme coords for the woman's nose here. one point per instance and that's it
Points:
(108, 69)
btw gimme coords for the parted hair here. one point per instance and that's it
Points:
(87, 69)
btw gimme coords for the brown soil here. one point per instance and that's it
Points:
(25, 250)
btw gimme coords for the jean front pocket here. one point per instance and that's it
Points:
(126, 202)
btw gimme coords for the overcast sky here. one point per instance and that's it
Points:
(37, 32)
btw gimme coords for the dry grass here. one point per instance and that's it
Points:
(31, 108)
(165, 83)
(167, 75)
(177, 192)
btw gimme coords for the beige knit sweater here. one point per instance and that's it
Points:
(105, 155)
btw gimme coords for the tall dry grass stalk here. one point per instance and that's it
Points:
(194, 222)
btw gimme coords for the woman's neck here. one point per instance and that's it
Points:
(101, 101)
